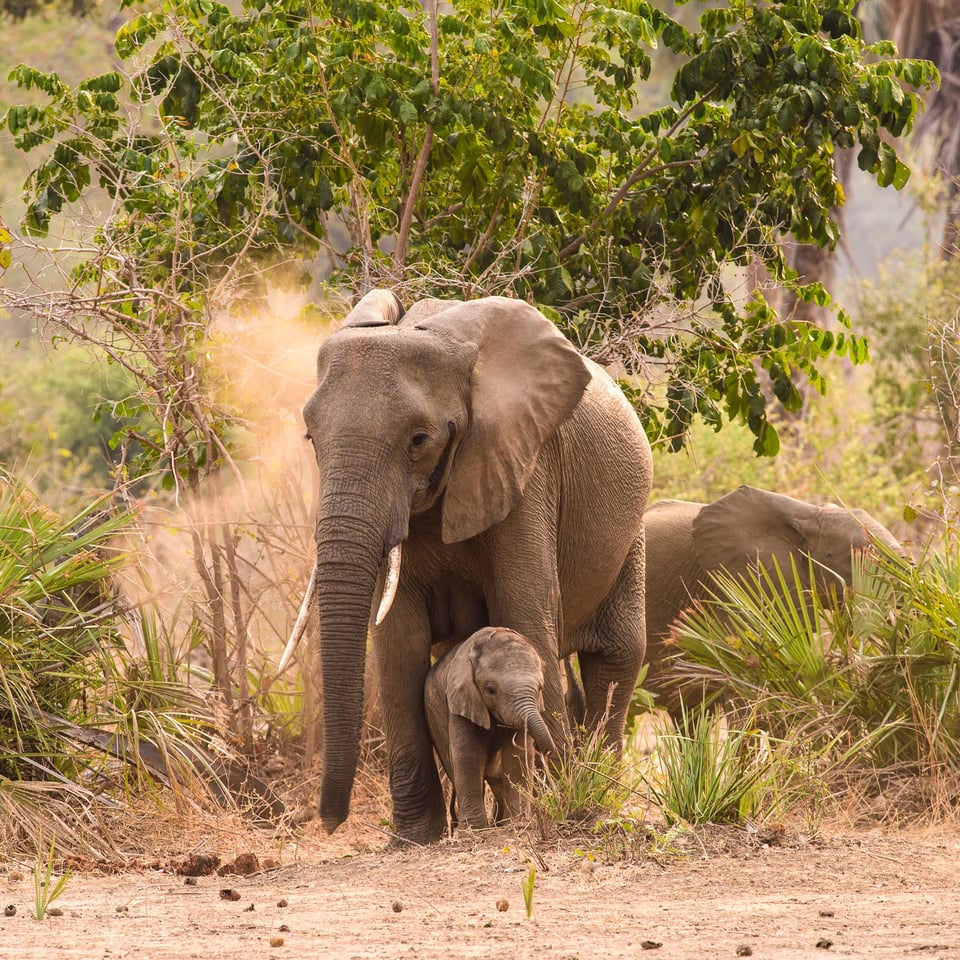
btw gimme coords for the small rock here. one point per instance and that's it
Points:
(503, 905)
(229, 894)
(650, 945)
(826, 913)
(281, 903)
(283, 928)
(190, 881)
(396, 906)
(744, 950)
(249, 909)
(10, 911)
(824, 944)
(55, 912)
(276, 941)
(122, 908)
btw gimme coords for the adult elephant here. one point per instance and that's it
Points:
(514, 474)
(688, 542)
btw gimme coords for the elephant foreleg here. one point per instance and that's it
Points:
(402, 648)
(469, 751)
(515, 762)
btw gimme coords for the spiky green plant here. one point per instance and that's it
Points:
(527, 886)
(875, 676)
(707, 771)
(583, 783)
(46, 887)
(80, 715)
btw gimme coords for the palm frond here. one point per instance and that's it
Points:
(876, 674)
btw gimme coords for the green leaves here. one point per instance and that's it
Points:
(873, 677)
(511, 154)
(5, 240)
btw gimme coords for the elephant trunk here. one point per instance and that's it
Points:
(541, 735)
(349, 553)
(528, 717)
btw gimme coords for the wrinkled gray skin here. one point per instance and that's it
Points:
(687, 542)
(515, 474)
(483, 702)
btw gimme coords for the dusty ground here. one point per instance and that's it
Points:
(722, 892)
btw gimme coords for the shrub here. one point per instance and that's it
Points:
(873, 680)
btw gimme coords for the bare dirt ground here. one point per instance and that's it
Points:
(719, 892)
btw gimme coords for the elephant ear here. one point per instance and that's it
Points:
(422, 310)
(463, 695)
(377, 308)
(749, 525)
(527, 380)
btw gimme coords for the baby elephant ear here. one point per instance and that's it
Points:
(463, 695)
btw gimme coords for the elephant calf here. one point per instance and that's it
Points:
(688, 542)
(483, 704)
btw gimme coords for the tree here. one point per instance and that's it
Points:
(460, 151)
(18, 9)
(931, 29)
(475, 152)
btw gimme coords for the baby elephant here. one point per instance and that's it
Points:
(482, 700)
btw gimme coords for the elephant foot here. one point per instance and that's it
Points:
(420, 831)
(474, 827)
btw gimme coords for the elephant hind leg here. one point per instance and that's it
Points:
(611, 650)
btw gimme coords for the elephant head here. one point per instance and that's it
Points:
(497, 677)
(441, 411)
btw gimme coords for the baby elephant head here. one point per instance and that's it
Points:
(501, 682)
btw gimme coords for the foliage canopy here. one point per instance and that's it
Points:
(481, 149)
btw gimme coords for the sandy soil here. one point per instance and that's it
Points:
(722, 892)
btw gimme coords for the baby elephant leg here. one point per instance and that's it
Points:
(509, 777)
(469, 746)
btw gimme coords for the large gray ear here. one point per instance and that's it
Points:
(528, 379)
(463, 695)
(749, 525)
(377, 308)
(424, 309)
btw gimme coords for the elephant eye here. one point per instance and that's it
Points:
(418, 440)
(491, 689)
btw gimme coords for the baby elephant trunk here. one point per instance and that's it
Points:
(537, 729)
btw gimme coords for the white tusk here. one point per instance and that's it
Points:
(390, 586)
(301, 623)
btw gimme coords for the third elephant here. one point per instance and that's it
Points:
(688, 542)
